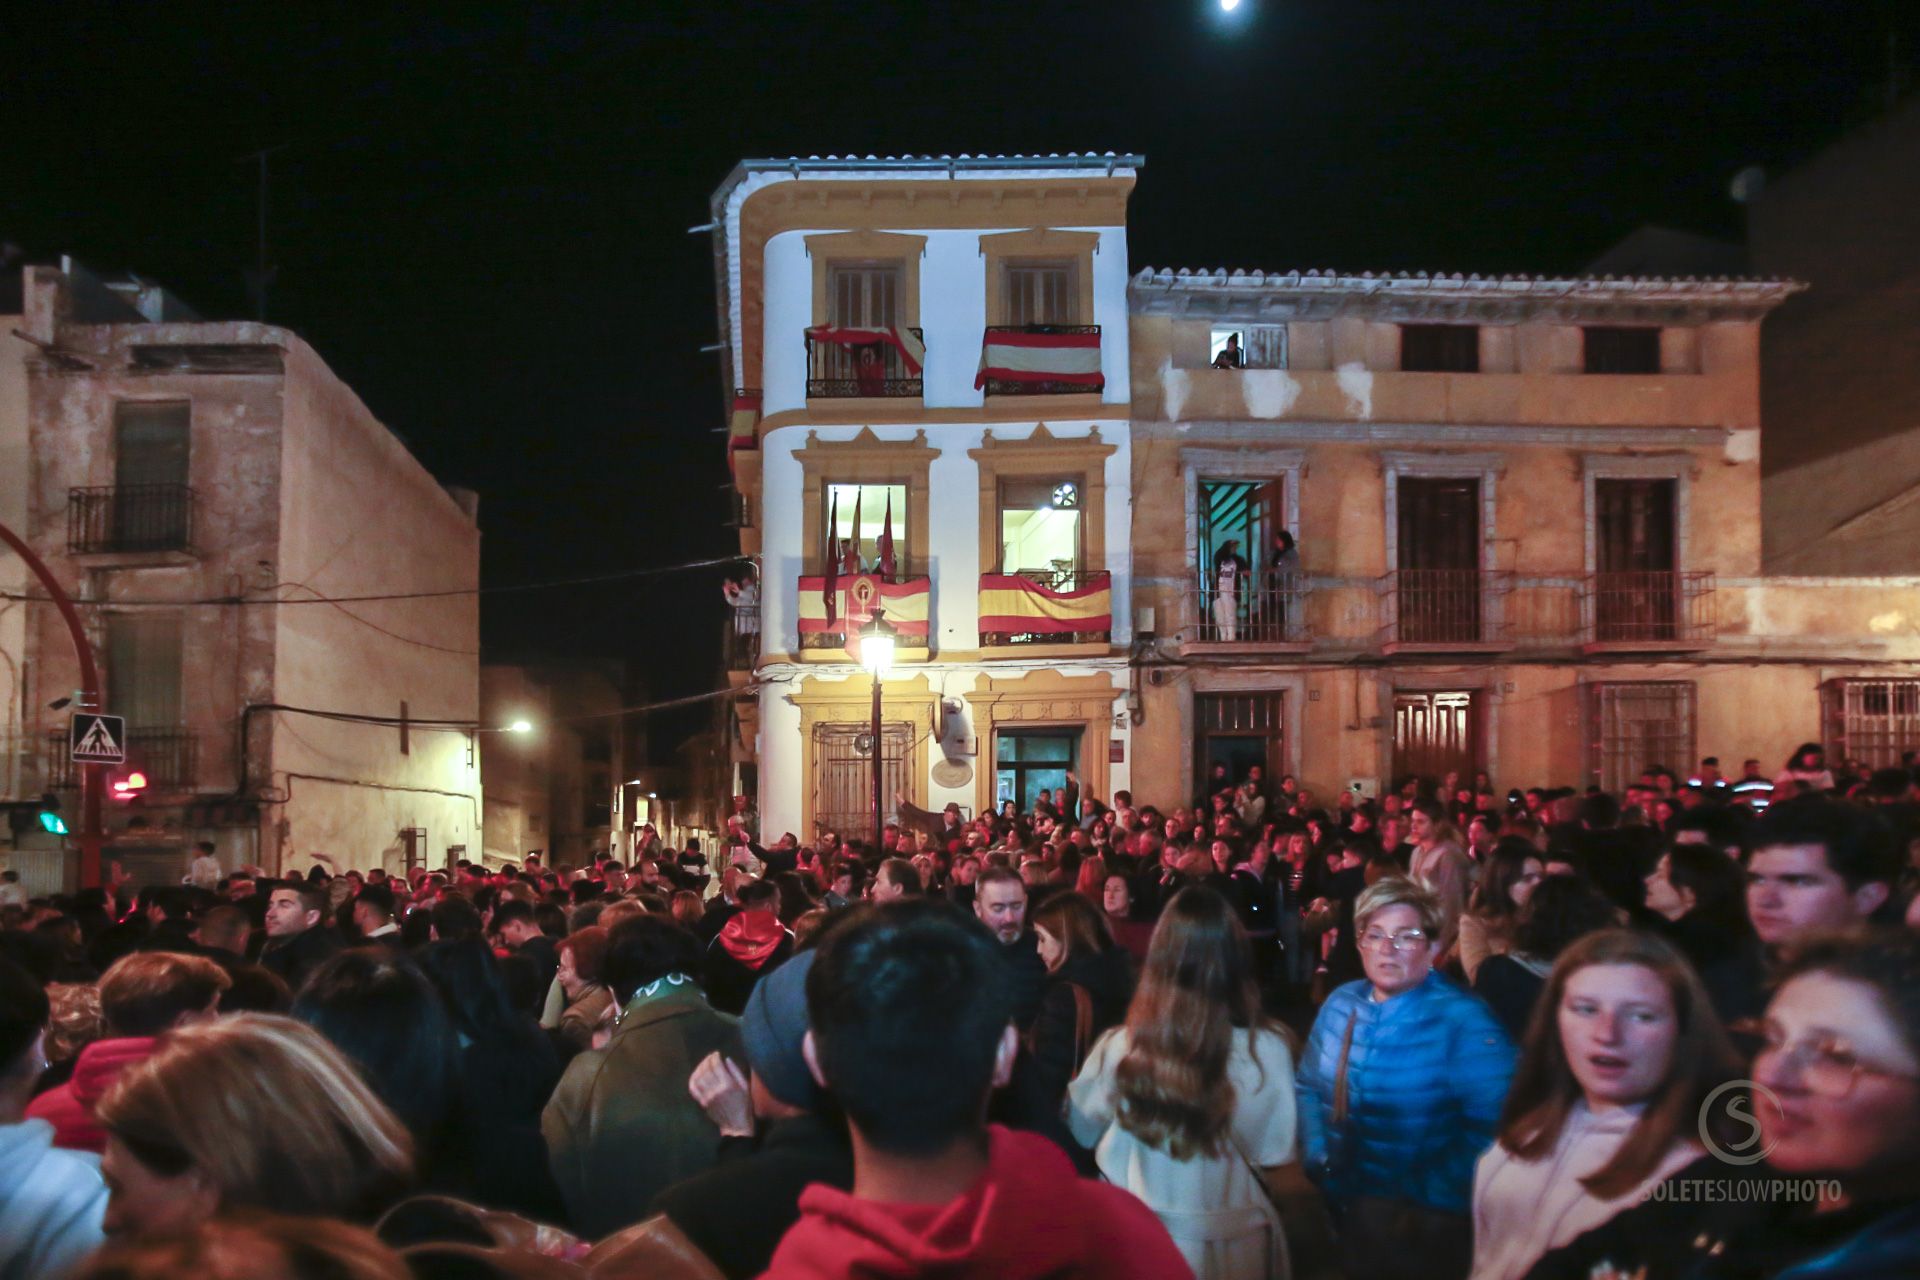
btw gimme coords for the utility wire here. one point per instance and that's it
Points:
(618, 575)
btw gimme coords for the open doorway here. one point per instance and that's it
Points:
(1029, 761)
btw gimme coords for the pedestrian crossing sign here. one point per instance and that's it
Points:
(96, 739)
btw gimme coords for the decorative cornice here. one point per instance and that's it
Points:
(1244, 432)
(1276, 298)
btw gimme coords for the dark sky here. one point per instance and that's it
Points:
(480, 221)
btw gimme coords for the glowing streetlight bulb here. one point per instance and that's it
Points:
(1228, 6)
(520, 726)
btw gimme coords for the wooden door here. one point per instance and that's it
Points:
(1636, 592)
(1437, 596)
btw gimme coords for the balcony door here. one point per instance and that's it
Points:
(1636, 594)
(1042, 293)
(1245, 513)
(150, 471)
(1438, 586)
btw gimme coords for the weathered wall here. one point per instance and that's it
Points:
(1842, 401)
(227, 651)
(15, 474)
(360, 516)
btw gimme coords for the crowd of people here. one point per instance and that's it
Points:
(1444, 1033)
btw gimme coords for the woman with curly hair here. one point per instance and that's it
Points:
(1188, 1102)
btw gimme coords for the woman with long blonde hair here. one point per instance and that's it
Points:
(1192, 1099)
(254, 1111)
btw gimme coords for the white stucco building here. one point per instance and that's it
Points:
(932, 351)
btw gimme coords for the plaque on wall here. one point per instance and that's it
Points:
(952, 773)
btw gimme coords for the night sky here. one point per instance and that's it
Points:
(480, 222)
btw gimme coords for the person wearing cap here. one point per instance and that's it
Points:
(737, 1211)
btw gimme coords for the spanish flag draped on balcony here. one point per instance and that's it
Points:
(1014, 605)
(837, 606)
(1041, 354)
(743, 428)
(913, 352)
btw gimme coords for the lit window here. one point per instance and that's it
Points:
(1040, 528)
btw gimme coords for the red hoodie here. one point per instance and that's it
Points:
(70, 1107)
(751, 937)
(1031, 1215)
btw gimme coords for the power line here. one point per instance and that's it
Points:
(594, 579)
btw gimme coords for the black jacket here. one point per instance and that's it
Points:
(296, 957)
(737, 1211)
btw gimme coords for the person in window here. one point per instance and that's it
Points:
(1230, 356)
(869, 371)
(1229, 580)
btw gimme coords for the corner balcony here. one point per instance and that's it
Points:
(136, 520)
(864, 364)
(740, 639)
(1041, 360)
(169, 757)
(1444, 611)
(831, 612)
(1071, 607)
(1270, 617)
(1647, 611)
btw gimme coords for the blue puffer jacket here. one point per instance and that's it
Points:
(1426, 1078)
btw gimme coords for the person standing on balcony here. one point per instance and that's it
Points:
(1283, 580)
(1229, 580)
(1229, 357)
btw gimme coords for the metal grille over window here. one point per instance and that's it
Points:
(1876, 721)
(843, 773)
(1637, 726)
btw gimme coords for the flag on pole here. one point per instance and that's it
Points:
(830, 591)
(886, 542)
(854, 542)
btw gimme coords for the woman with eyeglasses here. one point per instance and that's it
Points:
(1401, 1088)
(1827, 1140)
(1606, 1104)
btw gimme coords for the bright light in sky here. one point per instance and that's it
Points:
(1228, 6)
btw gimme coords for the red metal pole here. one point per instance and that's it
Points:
(90, 789)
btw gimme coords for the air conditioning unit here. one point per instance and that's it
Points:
(1364, 788)
(1143, 621)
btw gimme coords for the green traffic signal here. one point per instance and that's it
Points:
(52, 823)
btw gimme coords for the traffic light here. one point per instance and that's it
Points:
(130, 786)
(49, 815)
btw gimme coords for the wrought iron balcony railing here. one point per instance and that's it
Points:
(1272, 610)
(130, 518)
(742, 637)
(1653, 606)
(841, 371)
(1444, 608)
(170, 759)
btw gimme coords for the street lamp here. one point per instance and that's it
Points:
(520, 726)
(876, 655)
